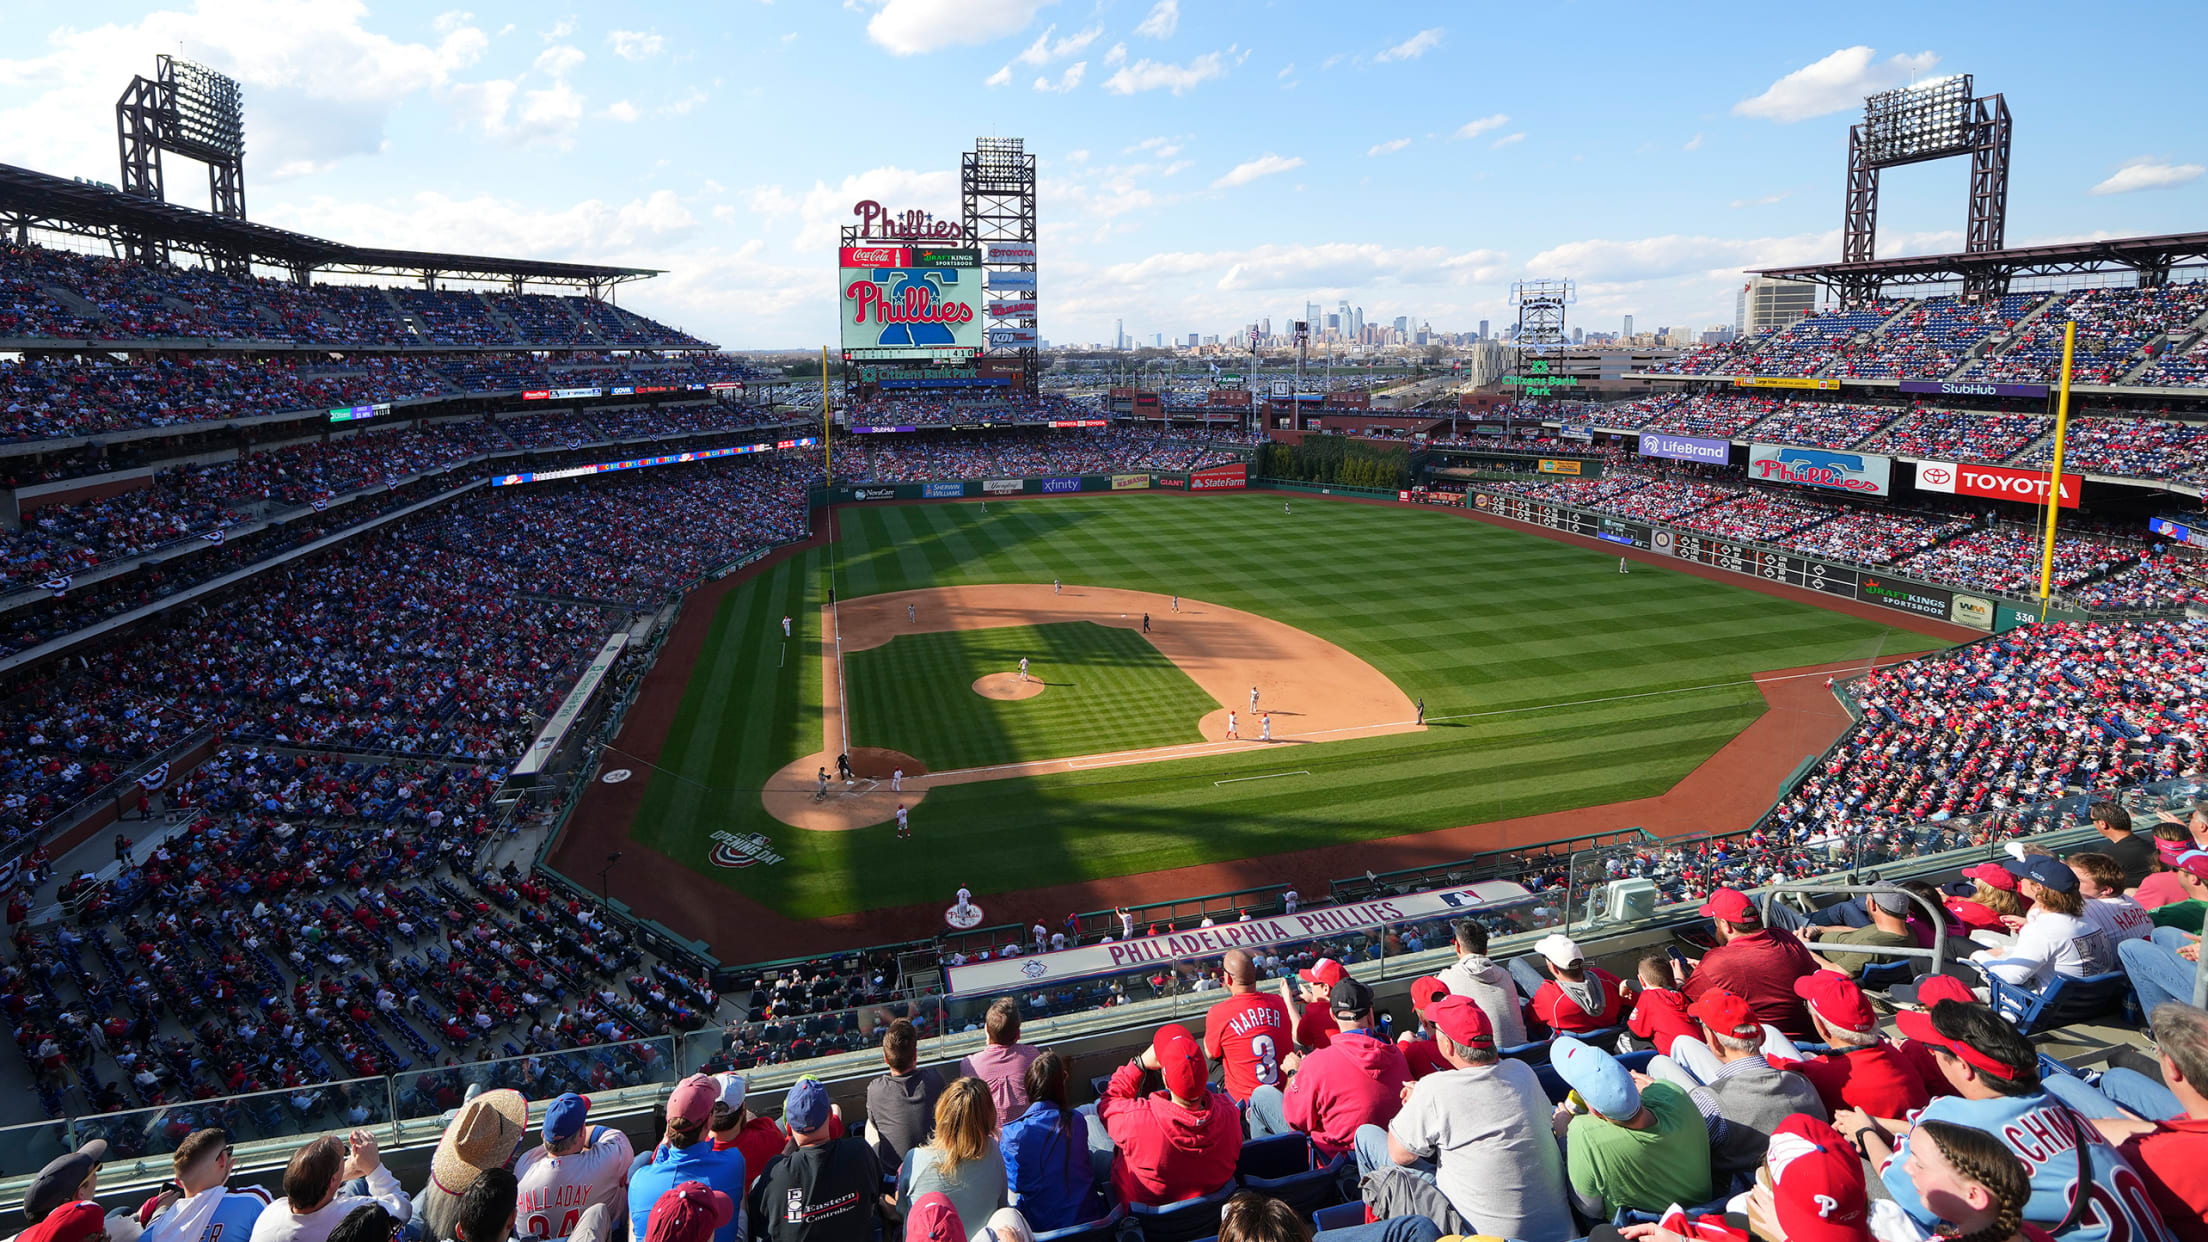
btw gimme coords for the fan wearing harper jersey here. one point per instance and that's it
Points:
(1995, 1074)
(1250, 1032)
(578, 1165)
(208, 1211)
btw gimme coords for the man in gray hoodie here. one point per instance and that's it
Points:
(1486, 984)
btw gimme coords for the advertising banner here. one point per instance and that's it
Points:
(1972, 611)
(873, 493)
(942, 491)
(1586, 434)
(1238, 398)
(1925, 601)
(1685, 448)
(1219, 478)
(562, 394)
(2178, 532)
(1011, 310)
(1861, 474)
(1001, 974)
(1552, 466)
(1283, 388)
(1002, 338)
(999, 487)
(1130, 482)
(874, 256)
(1966, 388)
(1786, 381)
(910, 312)
(1148, 404)
(1011, 252)
(536, 394)
(1080, 422)
(872, 431)
(1996, 482)
(945, 256)
(1061, 485)
(1012, 280)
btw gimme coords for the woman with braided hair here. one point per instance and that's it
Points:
(1970, 1180)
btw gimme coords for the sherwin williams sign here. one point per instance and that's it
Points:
(1860, 474)
(1996, 482)
(1685, 448)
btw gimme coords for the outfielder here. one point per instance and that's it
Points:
(904, 833)
(785, 627)
(1023, 668)
(1621, 564)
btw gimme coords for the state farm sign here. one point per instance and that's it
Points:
(1995, 483)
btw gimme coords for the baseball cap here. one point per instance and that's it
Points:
(689, 1213)
(934, 1218)
(1931, 990)
(733, 1087)
(564, 1116)
(1993, 874)
(1325, 971)
(2194, 864)
(806, 1106)
(1351, 997)
(1597, 1076)
(1891, 900)
(57, 1183)
(1560, 949)
(2043, 870)
(1180, 1062)
(1731, 905)
(1726, 1013)
(481, 1136)
(1918, 1026)
(1817, 1186)
(1426, 992)
(1837, 1000)
(69, 1222)
(1465, 1023)
(692, 1100)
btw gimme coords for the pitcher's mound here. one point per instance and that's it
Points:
(1007, 686)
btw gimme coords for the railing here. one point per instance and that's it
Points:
(1488, 864)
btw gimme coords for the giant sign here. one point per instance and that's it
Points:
(1858, 474)
(879, 223)
(1007, 973)
(1995, 482)
(1012, 310)
(1685, 448)
(911, 312)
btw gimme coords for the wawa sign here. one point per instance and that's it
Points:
(879, 223)
(1996, 483)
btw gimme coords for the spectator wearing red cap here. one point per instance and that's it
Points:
(1421, 1054)
(1003, 1062)
(1659, 1007)
(686, 1154)
(2169, 1146)
(1923, 994)
(2186, 914)
(1356, 1080)
(1315, 983)
(80, 1221)
(691, 1212)
(1474, 1131)
(1757, 963)
(1477, 976)
(1179, 1143)
(1995, 1073)
(1741, 1096)
(1862, 1071)
(1575, 997)
(1992, 898)
(1250, 1033)
(1812, 1190)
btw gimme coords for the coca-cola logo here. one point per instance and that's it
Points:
(877, 221)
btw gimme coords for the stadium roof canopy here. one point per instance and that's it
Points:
(2150, 257)
(38, 201)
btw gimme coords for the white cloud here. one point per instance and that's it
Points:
(558, 62)
(1325, 268)
(561, 29)
(1286, 70)
(909, 27)
(1474, 128)
(1764, 201)
(1390, 147)
(1508, 140)
(1002, 77)
(825, 209)
(1164, 19)
(622, 110)
(1693, 144)
(1414, 47)
(636, 44)
(1150, 75)
(1263, 166)
(771, 202)
(1066, 81)
(2148, 174)
(1116, 55)
(1835, 84)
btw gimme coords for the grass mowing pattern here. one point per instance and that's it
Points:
(1477, 619)
(1109, 690)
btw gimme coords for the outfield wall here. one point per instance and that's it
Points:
(1233, 477)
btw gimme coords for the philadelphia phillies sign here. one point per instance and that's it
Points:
(1996, 482)
(1861, 474)
(879, 223)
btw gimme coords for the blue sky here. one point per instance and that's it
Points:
(1203, 163)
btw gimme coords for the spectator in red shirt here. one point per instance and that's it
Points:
(1316, 1026)
(1421, 1054)
(1757, 963)
(733, 1124)
(1862, 1071)
(1250, 1032)
(1577, 997)
(1660, 1010)
(1180, 1143)
(1356, 1080)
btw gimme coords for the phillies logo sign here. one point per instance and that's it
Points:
(879, 222)
(907, 304)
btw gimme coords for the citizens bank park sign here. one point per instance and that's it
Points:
(1004, 974)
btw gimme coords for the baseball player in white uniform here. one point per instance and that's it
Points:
(579, 1164)
(1054, 587)
(897, 781)
(1042, 937)
(904, 833)
(1253, 698)
(1265, 727)
(912, 614)
(1023, 668)
(1233, 730)
(785, 627)
(1176, 603)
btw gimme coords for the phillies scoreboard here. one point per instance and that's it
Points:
(1772, 566)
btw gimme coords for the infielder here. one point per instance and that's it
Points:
(785, 627)
(897, 781)
(1146, 623)
(1176, 603)
(904, 833)
(912, 614)
(1253, 698)
(1232, 730)
(822, 792)
(1054, 589)
(1023, 668)
(1265, 727)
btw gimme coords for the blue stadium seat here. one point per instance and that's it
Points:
(2063, 1000)
(1339, 1216)
(1186, 1221)
(1102, 1229)
(1307, 1190)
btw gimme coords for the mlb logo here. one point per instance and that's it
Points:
(794, 1211)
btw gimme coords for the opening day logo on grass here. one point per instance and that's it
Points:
(742, 849)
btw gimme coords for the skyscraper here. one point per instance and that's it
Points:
(1629, 328)
(1119, 334)
(1483, 329)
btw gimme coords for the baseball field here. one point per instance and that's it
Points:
(1549, 681)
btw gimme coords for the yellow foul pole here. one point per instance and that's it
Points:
(827, 454)
(2054, 471)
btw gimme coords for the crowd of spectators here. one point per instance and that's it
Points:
(905, 459)
(2140, 448)
(2114, 327)
(2007, 558)
(918, 410)
(1956, 434)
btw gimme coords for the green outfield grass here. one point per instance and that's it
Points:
(1553, 681)
(1107, 689)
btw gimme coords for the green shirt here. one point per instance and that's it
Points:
(2183, 915)
(1874, 936)
(1646, 1170)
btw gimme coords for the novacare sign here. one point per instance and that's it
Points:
(1996, 482)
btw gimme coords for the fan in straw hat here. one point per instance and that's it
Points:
(482, 1136)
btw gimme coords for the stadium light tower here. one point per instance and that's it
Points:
(190, 110)
(1928, 121)
(997, 202)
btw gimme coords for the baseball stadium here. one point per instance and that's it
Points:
(443, 706)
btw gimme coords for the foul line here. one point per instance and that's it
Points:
(1648, 694)
(1268, 776)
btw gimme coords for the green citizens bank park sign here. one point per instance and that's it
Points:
(1537, 379)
